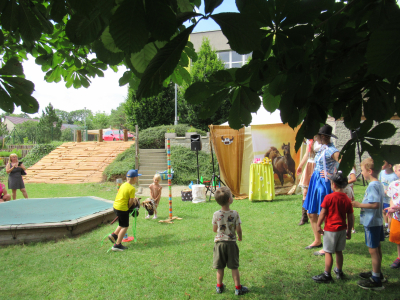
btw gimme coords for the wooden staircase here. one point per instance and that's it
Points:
(151, 161)
(76, 162)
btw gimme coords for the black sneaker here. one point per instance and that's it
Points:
(118, 247)
(220, 289)
(113, 237)
(370, 284)
(322, 278)
(243, 290)
(339, 273)
(368, 275)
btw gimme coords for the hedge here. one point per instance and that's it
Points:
(184, 164)
(121, 164)
(154, 137)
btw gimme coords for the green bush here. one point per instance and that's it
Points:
(8, 153)
(184, 164)
(37, 153)
(122, 164)
(154, 137)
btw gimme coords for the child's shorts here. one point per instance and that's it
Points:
(123, 218)
(334, 241)
(374, 236)
(226, 254)
(394, 236)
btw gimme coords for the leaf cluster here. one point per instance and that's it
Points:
(184, 163)
(8, 153)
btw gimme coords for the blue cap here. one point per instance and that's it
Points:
(133, 173)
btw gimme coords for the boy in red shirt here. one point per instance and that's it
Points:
(336, 207)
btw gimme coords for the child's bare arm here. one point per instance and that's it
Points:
(321, 220)
(215, 228)
(349, 225)
(239, 232)
(374, 205)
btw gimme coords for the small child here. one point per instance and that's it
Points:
(123, 201)
(371, 218)
(394, 212)
(4, 196)
(386, 176)
(155, 193)
(349, 190)
(226, 223)
(336, 208)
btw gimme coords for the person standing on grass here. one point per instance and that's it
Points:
(386, 176)
(336, 208)
(15, 181)
(371, 218)
(125, 198)
(394, 213)
(226, 223)
(313, 147)
(326, 161)
(4, 196)
(155, 193)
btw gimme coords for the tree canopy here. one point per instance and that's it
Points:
(318, 57)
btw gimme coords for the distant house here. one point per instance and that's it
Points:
(11, 122)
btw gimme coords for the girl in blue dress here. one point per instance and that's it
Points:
(326, 162)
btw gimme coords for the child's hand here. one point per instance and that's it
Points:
(239, 239)
(355, 204)
(348, 235)
(320, 231)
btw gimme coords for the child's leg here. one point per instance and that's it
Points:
(236, 277)
(317, 236)
(376, 256)
(220, 276)
(385, 218)
(328, 262)
(120, 231)
(339, 259)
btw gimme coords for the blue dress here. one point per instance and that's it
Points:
(319, 187)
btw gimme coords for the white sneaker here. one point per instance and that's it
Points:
(147, 217)
(155, 217)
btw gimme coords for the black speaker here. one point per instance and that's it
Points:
(195, 142)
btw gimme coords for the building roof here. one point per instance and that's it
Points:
(72, 126)
(18, 120)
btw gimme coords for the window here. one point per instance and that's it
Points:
(233, 59)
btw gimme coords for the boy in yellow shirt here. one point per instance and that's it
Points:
(123, 200)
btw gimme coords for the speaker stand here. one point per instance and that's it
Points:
(198, 167)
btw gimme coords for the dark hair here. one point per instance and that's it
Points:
(339, 180)
(222, 195)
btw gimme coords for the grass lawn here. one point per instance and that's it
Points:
(174, 261)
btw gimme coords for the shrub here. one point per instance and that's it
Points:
(37, 153)
(154, 137)
(7, 153)
(121, 165)
(184, 164)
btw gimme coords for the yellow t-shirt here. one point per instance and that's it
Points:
(126, 191)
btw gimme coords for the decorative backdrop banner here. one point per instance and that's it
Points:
(276, 141)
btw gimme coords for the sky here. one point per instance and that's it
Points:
(104, 93)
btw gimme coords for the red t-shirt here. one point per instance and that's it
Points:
(337, 205)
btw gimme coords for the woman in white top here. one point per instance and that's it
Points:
(313, 147)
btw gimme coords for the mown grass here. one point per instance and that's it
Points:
(174, 261)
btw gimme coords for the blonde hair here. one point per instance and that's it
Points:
(13, 154)
(222, 195)
(396, 167)
(368, 164)
(157, 176)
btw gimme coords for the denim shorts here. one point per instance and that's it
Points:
(374, 236)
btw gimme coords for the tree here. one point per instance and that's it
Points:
(64, 116)
(328, 57)
(151, 112)
(100, 120)
(28, 130)
(206, 64)
(118, 117)
(3, 130)
(49, 126)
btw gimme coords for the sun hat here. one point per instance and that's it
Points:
(327, 130)
(133, 173)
